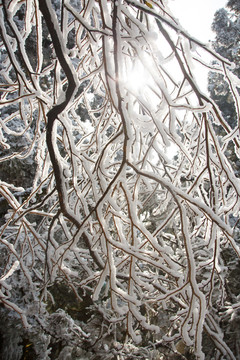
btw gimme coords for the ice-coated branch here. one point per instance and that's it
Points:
(131, 199)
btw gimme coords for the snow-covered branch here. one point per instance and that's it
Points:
(132, 198)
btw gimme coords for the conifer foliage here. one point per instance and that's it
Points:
(226, 26)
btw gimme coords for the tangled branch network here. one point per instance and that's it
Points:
(133, 197)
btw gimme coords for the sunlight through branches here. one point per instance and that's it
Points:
(133, 196)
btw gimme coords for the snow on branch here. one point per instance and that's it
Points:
(133, 197)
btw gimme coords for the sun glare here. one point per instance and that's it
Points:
(136, 77)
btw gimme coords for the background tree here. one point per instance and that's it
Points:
(130, 233)
(227, 43)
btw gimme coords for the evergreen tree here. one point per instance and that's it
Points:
(226, 25)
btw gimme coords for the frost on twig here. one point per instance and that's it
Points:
(133, 196)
